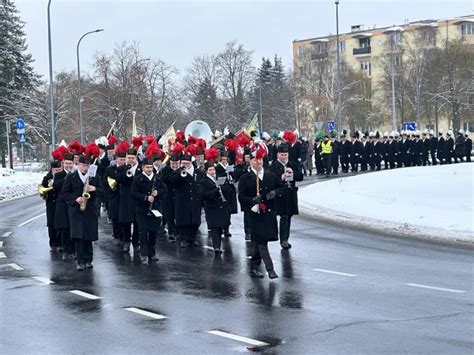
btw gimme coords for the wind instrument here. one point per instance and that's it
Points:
(43, 191)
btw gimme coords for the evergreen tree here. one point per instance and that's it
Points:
(17, 78)
(206, 104)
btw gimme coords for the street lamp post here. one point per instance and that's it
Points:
(392, 64)
(79, 80)
(51, 89)
(260, 98)
(338, 69)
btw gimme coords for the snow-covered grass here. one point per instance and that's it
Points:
(17, 183)
(434, 202)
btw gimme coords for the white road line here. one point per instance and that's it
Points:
(335, 272)
(145, 313)
(2, 255)
(210, 248)
(86, 295)
(7, 234)
(16, 266)
(436, 288)
(31, 220)
(1, 244)
(44, 280)
(238, 338)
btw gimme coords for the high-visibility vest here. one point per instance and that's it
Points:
(326, 147)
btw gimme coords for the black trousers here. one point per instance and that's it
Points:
(468, 157)
(433, 158)
(84, 251)
(216, 235)
(117, 231)
(344, 163)
(247, 222)
(285, 225)
(327, 163)
(54, 237)
(355, 164)
(66, 240)
(147, 243)
(127, 233)
(171, 224)
(318, 162)
(335, 163)
(188, 232)
(260, 252)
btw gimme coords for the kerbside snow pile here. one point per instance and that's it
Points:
(17, 183)
(434, 202)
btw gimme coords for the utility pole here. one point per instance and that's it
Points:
(338, 66)
(392, 64)
(51, 83)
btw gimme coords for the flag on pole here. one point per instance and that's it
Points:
(253, 125)
(170, 135)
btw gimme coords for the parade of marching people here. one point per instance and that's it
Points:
(161, 186)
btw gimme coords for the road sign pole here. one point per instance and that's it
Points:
(7, 122)
(23, 156)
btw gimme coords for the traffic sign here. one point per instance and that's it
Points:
(318, 124)
(20, 124)
(20, 130)
(22, 137)
(409, 126)
(331, 125)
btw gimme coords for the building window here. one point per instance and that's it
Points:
(364, 42)
(342, 46)
(300, 52)
(397, 37)
(467, 29)
(366, 66)
(468, 126)
(429, 37)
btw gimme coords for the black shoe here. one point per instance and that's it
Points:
(227, 234)
(52, 250)
(153, 258)
(80, 267)
(65, 256)
(172, 238)
(285, 245)
(247, 237)
(272, 274)
(217, 251)
(89, 265)
(256, 274)
(183, 244)
(144, 260)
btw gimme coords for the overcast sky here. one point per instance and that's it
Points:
(176, 31)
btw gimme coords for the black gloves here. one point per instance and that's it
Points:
(256, 199)
(271, 195)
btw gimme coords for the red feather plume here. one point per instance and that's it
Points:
(58, 153)
(230, 145)
(192, 140)
(180, 136)
(178, 148)
(289, 136)
(150, 139)
(212, 154)
(244, 140)
(76, 148)
(153, 149)
(92, 150)
(112, 140)
(137, 141)
(122, 147)
(201, 143)
(191, 149)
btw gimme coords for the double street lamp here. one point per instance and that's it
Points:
(79, 81)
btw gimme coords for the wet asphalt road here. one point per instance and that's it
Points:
(339, 291)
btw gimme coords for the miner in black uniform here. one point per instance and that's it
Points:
(459, 149)
(393, 150)
(364, 152)
(53, 180)
(82, 212)
(356, 152)
(449, 147)
(287, 204)
(127, 218)
(369, 146)
(170, 199)
(257, 190)
(318, 159)
(223, 169)
(386, 149)
(240, 170)
(441, 148)
(345, 151)
(426, 148)
(61, 217)
(148, 191)
(188, 201)
(468, 146)
(215, 206)
(377, 152)
(335, 153)
(433, 148)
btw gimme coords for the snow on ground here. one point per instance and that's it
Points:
(434, 202)
(18, 183)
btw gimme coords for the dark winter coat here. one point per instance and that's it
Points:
(228, 189)
(84, 225)
(468, 147)
(441, 147)
(263, 225)
(294, 152)
(52, 197)
(170, 199)
(112, 195)
(216, 210)
(287, 203)
(460, 150)
(188, 200)
(142, 187)
(61, 216)
(126, 203)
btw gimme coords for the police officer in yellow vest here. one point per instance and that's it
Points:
(326, 151)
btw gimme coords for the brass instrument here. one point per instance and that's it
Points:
(85, 195)
(112, 183)
(150, 208)
(43, 191)
(183, 173)
(221, 194)
(129, 173)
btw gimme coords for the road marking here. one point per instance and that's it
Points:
(44, 280)
(7, 234)
(436, 288)
(238, 338)
(145, 313)
(16, 266)
(31, 220)
(335, 272)
(1, 244)
(2, 255)
(86, 295)
(210, 248)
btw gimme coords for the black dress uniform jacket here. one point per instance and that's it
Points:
(188, 200)
(287, 203)
(263, 225)
(142, 187)
(113, 195)
(52, 197)
(61, 216)
(228, 189)
(84, 225)
(217, 210)
(127, 203)
(169, 203)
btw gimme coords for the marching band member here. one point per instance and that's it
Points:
(241, 169)
(80, 191)
(223, 169)
(287, 204)
(148, 191)
(170, 200)
(257, 190)
(215, 206)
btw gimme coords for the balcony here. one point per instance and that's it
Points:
(319, 56)
(362, 50)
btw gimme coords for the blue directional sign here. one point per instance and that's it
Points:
(331, 125)
(22, 137)
(409, 126)
(20, 124)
